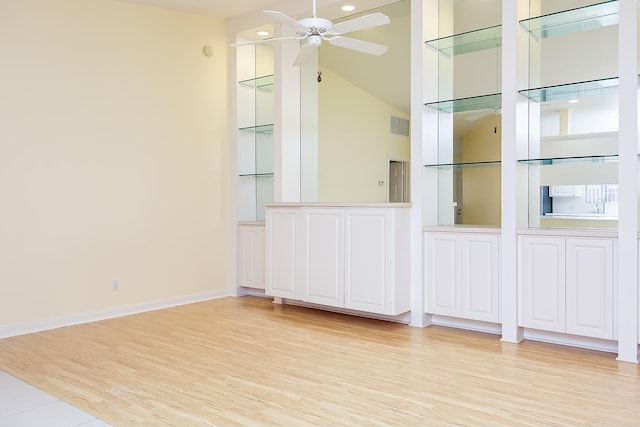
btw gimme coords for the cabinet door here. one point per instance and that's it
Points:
(281, 252)
(443, 265)
(323, 256)
(590, 287)
(367, 262)
(480, 277)
(251, 256)
(543, 283)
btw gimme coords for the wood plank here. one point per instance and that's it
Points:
(246, 361)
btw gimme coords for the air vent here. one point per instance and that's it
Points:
(399, 126)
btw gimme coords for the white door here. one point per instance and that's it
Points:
(397, 182)
(280, 267)
(590, 287)
(323, 257)
(543, 283)
(367, 264)
(480, 277)
(443, 267)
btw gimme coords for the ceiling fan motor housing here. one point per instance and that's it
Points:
(316, 25)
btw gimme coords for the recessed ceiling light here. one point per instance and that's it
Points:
(262, 33)
(573, 101)
(348, 8)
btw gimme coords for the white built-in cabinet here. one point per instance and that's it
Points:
(462, 275)
(349, 257)
(281, 236)
(568, 285)
(251, 255)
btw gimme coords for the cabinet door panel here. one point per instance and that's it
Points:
(590, 287)
(543, 275)
(480, 277)
(367, 261)
(280, 256)
(323, 256)
(251, 257)
(443, 274)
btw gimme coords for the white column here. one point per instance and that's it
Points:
(508, 241)
(287, 120)
(418, 316)
(628, 181)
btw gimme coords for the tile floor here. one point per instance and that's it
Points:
(22, 405)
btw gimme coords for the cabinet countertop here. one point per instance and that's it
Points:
(336, 205)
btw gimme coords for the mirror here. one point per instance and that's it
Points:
(355, 120)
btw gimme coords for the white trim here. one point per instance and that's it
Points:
(76, 319)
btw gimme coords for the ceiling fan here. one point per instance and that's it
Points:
(315, 29)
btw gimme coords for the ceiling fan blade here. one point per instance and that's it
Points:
(279, 16)
(306, 52)
(359, 45)
(367, 21)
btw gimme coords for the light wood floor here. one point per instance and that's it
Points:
(246, 361)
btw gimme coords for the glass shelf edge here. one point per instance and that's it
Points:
(565, 160)
(256, 175)
(266, 80)
(573, 20)
(260, 129)
(575, 90)
(473, 103)
(463, 165)
(467, 42)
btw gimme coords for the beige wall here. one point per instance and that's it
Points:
(355, 143)
(113, 157)
(481, 185)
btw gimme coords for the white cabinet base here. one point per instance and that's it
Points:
(347, 257)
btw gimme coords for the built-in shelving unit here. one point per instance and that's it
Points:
(567, 245)
(255, 145)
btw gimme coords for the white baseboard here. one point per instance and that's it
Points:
(76, 319)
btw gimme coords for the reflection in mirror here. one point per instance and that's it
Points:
(355, 116)
(462, 175)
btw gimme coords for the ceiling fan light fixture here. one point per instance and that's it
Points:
(314, 40)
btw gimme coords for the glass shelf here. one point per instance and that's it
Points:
(464, 165)
(264, 82)
(573, 90)
(567, 160)
(574, 20)
(257, 175)
(471, 41)
(493, 102)
(261, 129)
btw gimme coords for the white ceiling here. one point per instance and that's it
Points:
(386, 77)
(219, 8)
